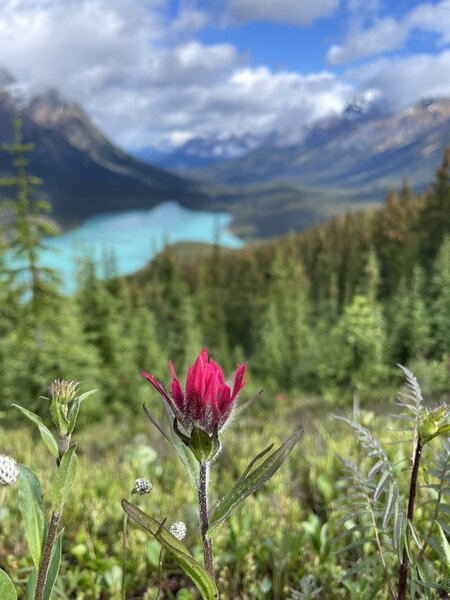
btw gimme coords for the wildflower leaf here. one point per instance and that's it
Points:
(75, 409)
(243, 407)
(202, 445)
(86, 395)
(390, 504)
(441, 546)
(53, 568)
(64, 479)
(45, 432)
(177, 549)
(380, 486)
(73, 415)
(30, 506)
(251, 480)
(440, 431)
(7, 590)
(186, 455)
(31, 585)
(59, 416)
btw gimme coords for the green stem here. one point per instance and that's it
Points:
(208, 557)
(160, 563)
(124, 551)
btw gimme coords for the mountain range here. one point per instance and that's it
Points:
(363, 148)
(268, 185)
(84, 173)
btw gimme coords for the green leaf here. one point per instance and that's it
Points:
(45, 432)
(86, 395)
(74, 409)
(203, 446)
(73, 414)
(251, 480)
(54, 565)
(440, 431)
(7, 589)
(188, 459)
(177, 549)
(64, 479)
(31, 585)
(441, 546)
(30, 506)
(59, 415)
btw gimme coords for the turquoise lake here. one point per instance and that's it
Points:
(134, 237)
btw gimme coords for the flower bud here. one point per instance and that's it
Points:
(63, 391)
(142, 487)
(8, 470)
(432, 421)
(178, 530)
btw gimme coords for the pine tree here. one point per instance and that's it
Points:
(209, 302)
(436, 212)
(28, 224)
(358, 344)
(441, 301)
(270, 357)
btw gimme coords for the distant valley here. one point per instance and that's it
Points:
(84, 173)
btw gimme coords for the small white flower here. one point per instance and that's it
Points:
(8, 470)
(142, 486)
(178, 530)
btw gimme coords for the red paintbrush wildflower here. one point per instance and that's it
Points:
(207, 401)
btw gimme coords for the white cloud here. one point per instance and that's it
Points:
(432, 17)
(143, 78)
(403, 81)
(297, 12)
(388, 34)
(140, 73)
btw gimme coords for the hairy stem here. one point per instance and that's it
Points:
(43, 567)
(64, 443)
(63, 446)
(204, 523)
(403, 573)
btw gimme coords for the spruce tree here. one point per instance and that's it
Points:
(441, 301)
(28, 226)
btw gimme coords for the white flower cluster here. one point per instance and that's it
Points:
(142, 486)
(8, 470)
(178, 530)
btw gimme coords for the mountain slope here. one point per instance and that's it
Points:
(84, 173)
(370, 152)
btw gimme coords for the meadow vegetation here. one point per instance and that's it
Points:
(321, 318)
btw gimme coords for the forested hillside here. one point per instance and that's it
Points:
(329, 311)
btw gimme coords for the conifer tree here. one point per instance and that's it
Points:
(441, 301)
(268, 361)
(209, 305)
(28, 224)
(436, 211)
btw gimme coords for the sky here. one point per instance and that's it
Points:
(157, 73)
